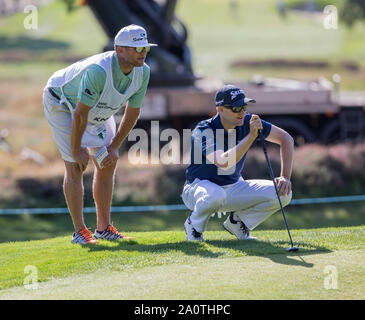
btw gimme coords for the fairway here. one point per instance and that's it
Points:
(161, 265)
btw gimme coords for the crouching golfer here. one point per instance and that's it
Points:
(213, 179)
(79, 104)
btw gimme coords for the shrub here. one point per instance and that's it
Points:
(318, 171)
(329, 171)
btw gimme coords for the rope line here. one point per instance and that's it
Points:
(170, 207)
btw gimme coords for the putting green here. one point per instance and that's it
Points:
(162, 265)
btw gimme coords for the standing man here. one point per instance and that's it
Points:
(213, 179)
(79, 104)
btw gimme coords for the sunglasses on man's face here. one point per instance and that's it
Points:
(236, 109)
(140, 49)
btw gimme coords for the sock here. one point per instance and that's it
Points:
(234, 217)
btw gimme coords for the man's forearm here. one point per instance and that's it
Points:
(79, 123)
(235, 154)
(241, 148)
(286, 154)
(126, 125)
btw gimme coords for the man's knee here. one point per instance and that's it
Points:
(271, 196)
(285, 199)
(212, 202)
(105, 174)
(73, 171)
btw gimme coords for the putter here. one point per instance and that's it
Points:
(292, 248)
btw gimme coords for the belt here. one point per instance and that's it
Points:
(53, 94)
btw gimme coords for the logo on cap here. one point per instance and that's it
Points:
(132, 36)
(143, 37)
(231, 95)
(235, 93)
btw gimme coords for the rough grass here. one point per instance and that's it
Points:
(216, 38)
(152, 257)
(256, 31)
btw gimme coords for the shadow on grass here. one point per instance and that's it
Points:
(191, 248)
(274, 250)
(35, 227)
(271, 250)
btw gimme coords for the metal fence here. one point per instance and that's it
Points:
(172, 207)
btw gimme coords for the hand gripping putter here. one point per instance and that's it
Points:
(292, 248)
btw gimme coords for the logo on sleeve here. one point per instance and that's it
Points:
(89, 92)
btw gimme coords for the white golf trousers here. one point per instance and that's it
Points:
(252, 200)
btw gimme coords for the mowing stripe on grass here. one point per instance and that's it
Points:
(58, 258)
(243, 278)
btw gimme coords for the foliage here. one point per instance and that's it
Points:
(352, 11)
(329, 171)
(71, 5)
(310, 5)
(318, 171)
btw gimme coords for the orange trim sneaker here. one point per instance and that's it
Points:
(83, 236)
(110, 233)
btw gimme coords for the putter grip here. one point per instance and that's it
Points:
(262, 138)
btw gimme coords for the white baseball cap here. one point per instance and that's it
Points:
(132, 36)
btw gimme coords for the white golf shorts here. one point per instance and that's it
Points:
(60, 119)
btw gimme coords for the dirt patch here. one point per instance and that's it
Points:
(25, 56)
(293, 63)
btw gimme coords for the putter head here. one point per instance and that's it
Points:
(292, 249)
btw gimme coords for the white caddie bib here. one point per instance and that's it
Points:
(110, 100)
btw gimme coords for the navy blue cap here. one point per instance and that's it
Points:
(232, 96)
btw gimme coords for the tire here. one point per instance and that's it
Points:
(296, 128)
(331, 132)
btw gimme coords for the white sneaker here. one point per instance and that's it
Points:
(83, 236)
(110, 233)
(237, 228)
(191, 233)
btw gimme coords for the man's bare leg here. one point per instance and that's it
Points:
(103, 186)
(73, 189)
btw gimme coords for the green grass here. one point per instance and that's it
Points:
(38, 227)
(216, 39)
(58, 33)
(154, 256)
(256, 31)
(60, 36)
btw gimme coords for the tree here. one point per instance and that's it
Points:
(352, 11)
(71, 5)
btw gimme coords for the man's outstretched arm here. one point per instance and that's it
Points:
(286, 143)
